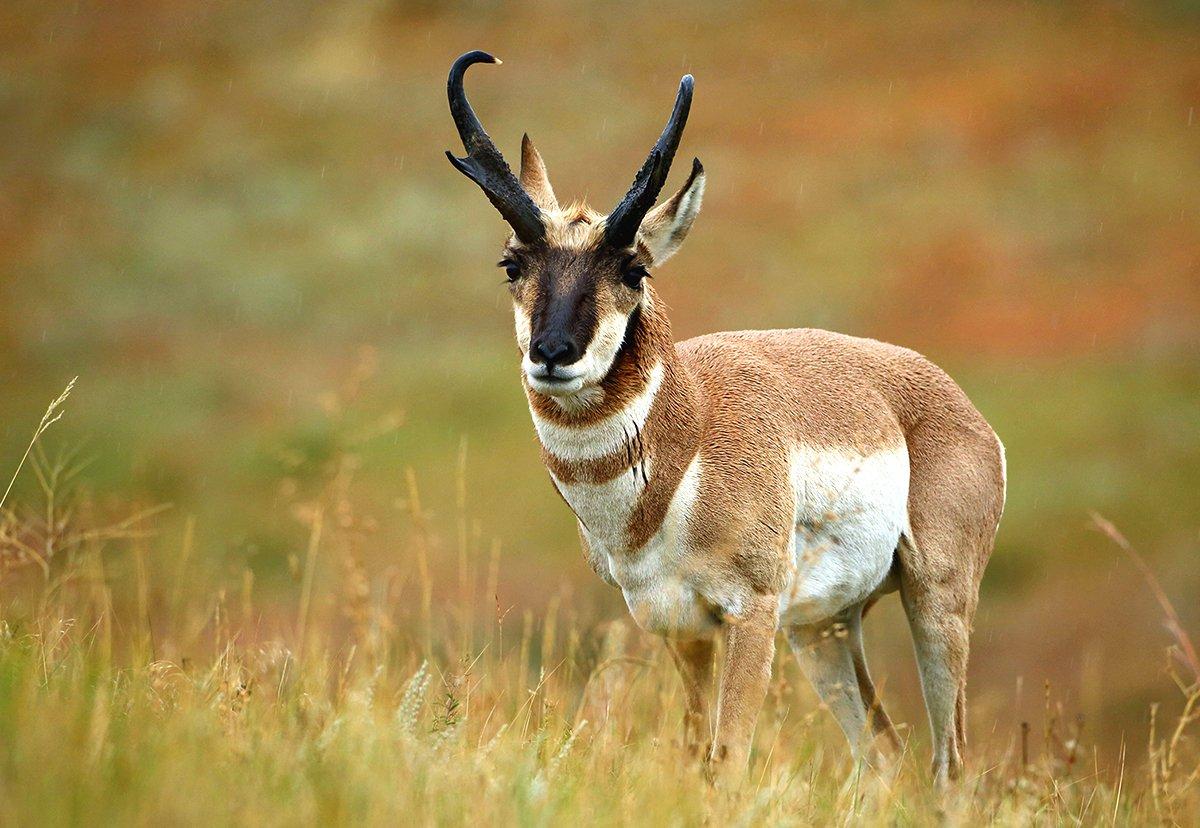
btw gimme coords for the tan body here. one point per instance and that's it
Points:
(737, 406)
(741, 482)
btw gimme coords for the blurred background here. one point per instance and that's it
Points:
(234, 222)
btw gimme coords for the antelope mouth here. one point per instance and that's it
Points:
(555, 382)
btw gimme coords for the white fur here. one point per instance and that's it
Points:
(524, 329)
(850, 513)
(1003, 473)
(663, 596)
(654, 579)
(604, 437)
(602, 350)
(603, 509)
(669, 231)
(581, 375)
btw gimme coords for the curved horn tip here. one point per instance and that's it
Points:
(484, 164)
(466, 60)
(478, 56)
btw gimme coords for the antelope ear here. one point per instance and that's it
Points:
(534, 178)
(666, 226)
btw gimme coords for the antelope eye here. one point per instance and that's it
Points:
(511, 269)
(633, 274)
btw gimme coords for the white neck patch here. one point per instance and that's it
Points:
(574, 443)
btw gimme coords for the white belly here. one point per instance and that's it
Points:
(850, 512)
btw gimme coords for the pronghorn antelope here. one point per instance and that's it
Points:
(745, 482)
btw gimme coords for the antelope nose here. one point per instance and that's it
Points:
(555, 350)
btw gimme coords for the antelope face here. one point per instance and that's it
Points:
(572, 306)
(576, 276)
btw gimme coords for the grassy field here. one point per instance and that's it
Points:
(387, 697)
(297, 464)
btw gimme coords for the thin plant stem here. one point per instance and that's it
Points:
(52, 416)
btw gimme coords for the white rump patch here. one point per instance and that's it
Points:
(1003, 468)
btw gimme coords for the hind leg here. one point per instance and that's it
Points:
(827, 654)
(881, 723)
(694, 660)
(956, 495)
(940, 638)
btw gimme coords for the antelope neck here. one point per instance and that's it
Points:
(635, 441)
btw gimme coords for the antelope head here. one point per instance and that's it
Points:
(576, 276)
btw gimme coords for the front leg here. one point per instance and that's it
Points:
(747, 673)
(694, 660)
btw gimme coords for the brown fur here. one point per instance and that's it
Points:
(740, 401)
(820, 389)
(694, 660)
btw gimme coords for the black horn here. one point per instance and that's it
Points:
(623, 222)
(484, 164)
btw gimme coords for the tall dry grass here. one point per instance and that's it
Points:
(383, 697)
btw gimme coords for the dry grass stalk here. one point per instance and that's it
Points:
(564, 723)
(1168, 792)
(53, 415)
